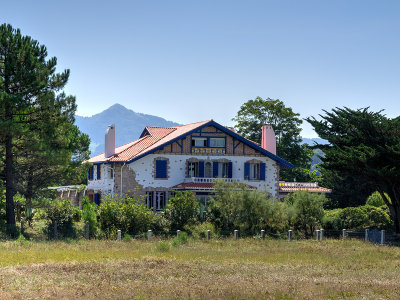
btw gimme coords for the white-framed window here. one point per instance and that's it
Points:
(217, 142)
(149, 200)
(193, 169)
(160, 200)
(223, 169)
(110, 172)
(254, 171)
(199, 142)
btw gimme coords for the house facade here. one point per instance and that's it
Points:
(189, 157)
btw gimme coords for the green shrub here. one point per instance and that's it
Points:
(182, 209)
(127, 237)
(160, 223)
(353, 218)
(110, 216)
(199, 231)
(332, 220)
(309, 211)
(62, 212)
(163, 246)
(375, 199)
(137, 218)
(236, 207)
(357, 218)
(182, 238)
(89, 216)
(377, 217)
(127, 214)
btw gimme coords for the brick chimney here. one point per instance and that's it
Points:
(109, 144)
(268, 140)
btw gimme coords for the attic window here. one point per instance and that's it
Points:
(199, 142)
(217, 142)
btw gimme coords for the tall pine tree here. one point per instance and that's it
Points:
(35, 115)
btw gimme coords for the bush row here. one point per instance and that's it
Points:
(232, 207)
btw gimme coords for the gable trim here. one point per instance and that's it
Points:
(284, 164)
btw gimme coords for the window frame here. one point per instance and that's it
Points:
(256, 167)
(150, 200)
(196, 168)
(205, 143)
(219, 139)
(157, 171)
(158, 199)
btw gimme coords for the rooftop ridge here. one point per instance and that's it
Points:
(194, 123)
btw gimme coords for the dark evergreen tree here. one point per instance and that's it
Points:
(364, 148)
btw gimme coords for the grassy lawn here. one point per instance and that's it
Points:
(220, 269)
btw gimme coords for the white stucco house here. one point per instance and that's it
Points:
(189, 157)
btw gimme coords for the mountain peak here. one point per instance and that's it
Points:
(128, 125)
(117, 106)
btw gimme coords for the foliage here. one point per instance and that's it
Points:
(163, 246)
(309, 211)
(255, 113)
(182, 209)
(364, 146)
(181, 239)
(126, 214)
(356, 218)
(160, 224)
(41, 143)
(89, 216)
(127, 237)
(199, 230)
(375, 199)
(235, 207)
(62, 212)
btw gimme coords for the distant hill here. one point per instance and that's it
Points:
(128, 126)
(313, 141)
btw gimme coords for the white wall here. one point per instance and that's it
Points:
(105, 185)
(143, 169)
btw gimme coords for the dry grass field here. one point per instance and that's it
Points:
(220, 269)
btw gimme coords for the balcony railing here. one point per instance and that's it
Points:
(299, 184)
(207, 180)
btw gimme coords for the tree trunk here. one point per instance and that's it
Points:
(10, 212)
(394, 208)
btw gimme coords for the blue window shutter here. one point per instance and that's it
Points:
(201, 168)
(88, 174)
(161, 169)
(91, 173)
(98, 172)
(230, 169)
(262, 171)
(246, 171)
(215, 169)
(97, 198)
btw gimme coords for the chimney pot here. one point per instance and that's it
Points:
(268, 140)
(109, 141)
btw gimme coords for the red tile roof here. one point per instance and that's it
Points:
(154, 138)
(157, 137)
(200, 186)
(309, 189)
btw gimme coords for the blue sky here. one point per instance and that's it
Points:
(188, 61)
